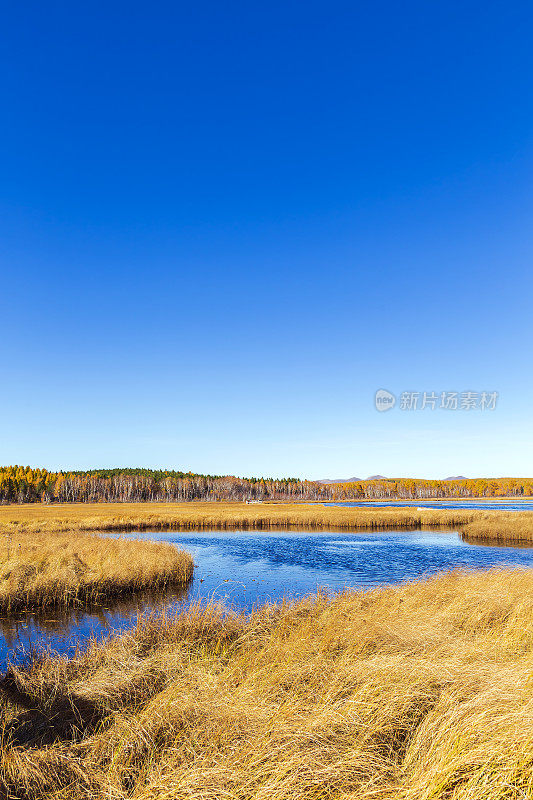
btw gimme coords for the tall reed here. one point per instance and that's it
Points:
(61, 570)
(418, 692)
(36, 518)
(503, 526)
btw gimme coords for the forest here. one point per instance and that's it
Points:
(20, 484)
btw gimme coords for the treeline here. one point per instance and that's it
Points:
(129, 485)
(419, 489)
(27, 485)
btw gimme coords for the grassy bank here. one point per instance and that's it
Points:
(61, 569)
(37, 518)
(503, 526)
(413, 692)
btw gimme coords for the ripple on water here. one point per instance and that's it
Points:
(244, 569)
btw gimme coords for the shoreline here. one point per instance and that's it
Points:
(58, 570)
(511, 526)
(363, 695)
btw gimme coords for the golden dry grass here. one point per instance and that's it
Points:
(502, 526)
(36, 518)
(417, 692)
(61, 569)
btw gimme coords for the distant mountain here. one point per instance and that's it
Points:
(339, 480)
(384, 478)
(354, 480)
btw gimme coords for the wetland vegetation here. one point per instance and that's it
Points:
(511, 526)
(416, 691)
(57, 569)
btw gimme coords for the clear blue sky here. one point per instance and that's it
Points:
(224, 226)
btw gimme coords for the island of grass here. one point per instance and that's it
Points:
(420, 691)
(58, 569)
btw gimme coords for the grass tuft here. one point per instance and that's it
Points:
(57, 569)
(416, 691)
(502, 526)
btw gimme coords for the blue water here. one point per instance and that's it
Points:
(245, 569)
(484, 505)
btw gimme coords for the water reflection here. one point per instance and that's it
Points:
(243, 569)
(62, 630)
(488, 542)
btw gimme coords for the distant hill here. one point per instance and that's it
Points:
(327, 481)
(339, 480)
(353, 480)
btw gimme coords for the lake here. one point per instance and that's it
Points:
(483, 505)
(243, 569)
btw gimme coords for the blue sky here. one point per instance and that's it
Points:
(225, 226)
